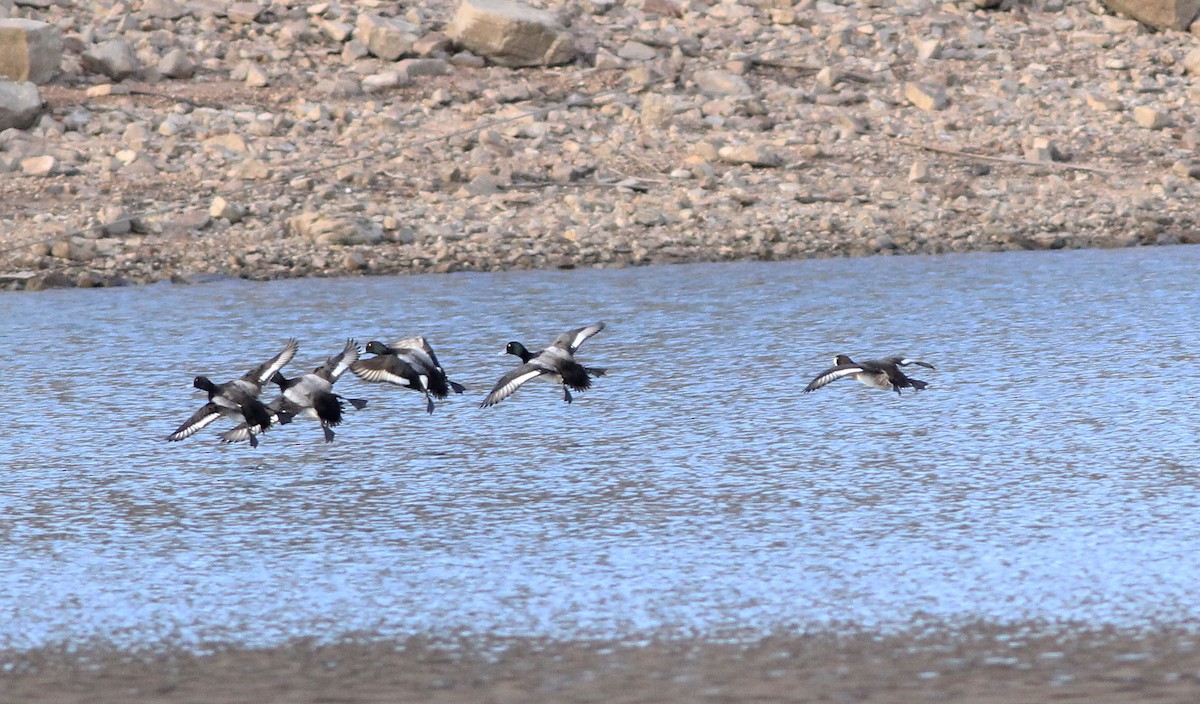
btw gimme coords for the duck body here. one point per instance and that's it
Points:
(238, 400)
(411, 363)
(882, 374)
(310, 396)
(555, 364)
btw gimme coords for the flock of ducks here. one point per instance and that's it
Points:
(412, 363)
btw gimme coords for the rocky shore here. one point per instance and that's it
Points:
(191, 139)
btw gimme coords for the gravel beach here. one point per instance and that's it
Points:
(274, 140)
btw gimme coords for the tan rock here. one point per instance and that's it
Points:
(926, 97)
(1160, 14)
(29, 50)
(44, 165)
(511, 33)
(1149, 118)
(750, 154)
(221, 208)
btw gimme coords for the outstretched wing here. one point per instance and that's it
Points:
(831, 375)
(905, 361)
(335, 366)
(201, 419)
(512, 381)
(260, 374)
(570, 341)
(386, 368)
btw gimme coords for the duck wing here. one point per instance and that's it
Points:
(386, 368)
(335, 366)
(201, 419)
(905, 361)
(260, 374)
(512, 381)
(833, 374)
(570, 341)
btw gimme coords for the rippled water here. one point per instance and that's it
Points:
(1051, 471)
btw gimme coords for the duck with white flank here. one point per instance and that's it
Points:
(877, 374)
(310, 395)
(238, 399)
(410, 363)
(556, 363)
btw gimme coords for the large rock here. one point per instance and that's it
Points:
(29, 50)
(113, 58)
(20, 104)
(510, 33)
(1160, 14)
(386, 37)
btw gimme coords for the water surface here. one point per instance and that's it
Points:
(1050, 471)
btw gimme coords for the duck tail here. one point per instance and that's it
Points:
(257, 414)
(576, 376)
(917, 384)
(458, 388)
(328, 408)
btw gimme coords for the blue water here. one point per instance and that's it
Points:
(1051, 471)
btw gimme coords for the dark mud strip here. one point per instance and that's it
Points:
(980, 664)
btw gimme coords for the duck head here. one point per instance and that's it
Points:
(377, 347)
(516, 348)
(842, 359)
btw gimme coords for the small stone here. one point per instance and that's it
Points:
(163, 9)
(337, 31)
(919, 172)
(1042, 149)
(233, 143)
(1149, 118)
(1187, 169)
(637, 51)
(105, 89)
(1101, 102)
(243, 12)
(381, 81)
(386, 37)
(176, 63)
(256, 76)
(20, 105)
(113, 58)
(114, 220)
(419, 68)
(926, 97)
(749, 154)
(721, 83)
(511, 33)
(1191, 62)
(431, 44)
(927, 49)
(222, 208)
(44, 165)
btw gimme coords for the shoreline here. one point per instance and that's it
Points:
(980, 663)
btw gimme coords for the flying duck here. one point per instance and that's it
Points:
(238, 399)
(310, 396)
(410, 363)
(556, 363)
(877, 374)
